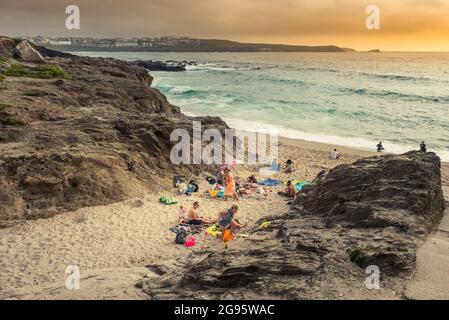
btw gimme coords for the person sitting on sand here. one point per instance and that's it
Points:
(226, 219)
(194, 218)
(423, 147)
(229, 181)
(380, 147)
(335, 155)
(289, 166)
(290, 191)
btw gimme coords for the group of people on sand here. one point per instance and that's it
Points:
(225, 219)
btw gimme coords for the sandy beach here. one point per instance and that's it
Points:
(112, 244)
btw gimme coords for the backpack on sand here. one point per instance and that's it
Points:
(181, 236)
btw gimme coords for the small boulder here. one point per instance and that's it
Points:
(27, 53)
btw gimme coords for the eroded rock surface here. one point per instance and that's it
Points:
(375, 211)
(97, 135)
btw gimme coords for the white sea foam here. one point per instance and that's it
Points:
(353, 142)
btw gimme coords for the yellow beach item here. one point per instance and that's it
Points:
(213, 193)
(265, 225)
(214, 231)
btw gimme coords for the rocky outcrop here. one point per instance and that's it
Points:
(171, 66)
(374, 212)
(97, 135)
(27, 53)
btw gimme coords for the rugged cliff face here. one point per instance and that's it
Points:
(78, 131)
(373, 212)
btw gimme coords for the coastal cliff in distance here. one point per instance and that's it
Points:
(79, 131)
(174, 44)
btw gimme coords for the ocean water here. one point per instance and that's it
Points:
(350, 99)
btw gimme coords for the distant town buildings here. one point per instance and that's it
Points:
(161, 42)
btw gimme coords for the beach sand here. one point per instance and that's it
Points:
(112, 244)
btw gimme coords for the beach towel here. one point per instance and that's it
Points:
(300, 185)
(270, 183)
(167, 200)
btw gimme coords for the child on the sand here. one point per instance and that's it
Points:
(289, 166)
(181, 215)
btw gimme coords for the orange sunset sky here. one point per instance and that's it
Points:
(406, 25)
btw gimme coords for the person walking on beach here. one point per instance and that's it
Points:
(423, 147)
(229, 182)
(380, 147)
(226, 219)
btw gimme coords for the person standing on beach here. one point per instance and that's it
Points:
(423, 147)
(229, 181)
(380, 147)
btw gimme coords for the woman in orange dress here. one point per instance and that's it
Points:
(230, 184)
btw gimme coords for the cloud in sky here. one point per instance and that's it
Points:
(405, 24)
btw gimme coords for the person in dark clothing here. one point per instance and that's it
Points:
(423, 147)
(380, 147)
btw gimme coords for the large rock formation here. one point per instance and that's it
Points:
(98, 134)
(372, 212)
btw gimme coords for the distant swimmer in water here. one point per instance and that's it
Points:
(423, 147)
(380, 147)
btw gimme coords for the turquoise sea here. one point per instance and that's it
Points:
(351, 99)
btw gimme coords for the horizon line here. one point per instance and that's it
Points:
(254, 43)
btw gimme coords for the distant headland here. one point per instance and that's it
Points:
(172, 44)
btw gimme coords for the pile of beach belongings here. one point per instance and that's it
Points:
(217, 193)
(185, 234)
(188, 189)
